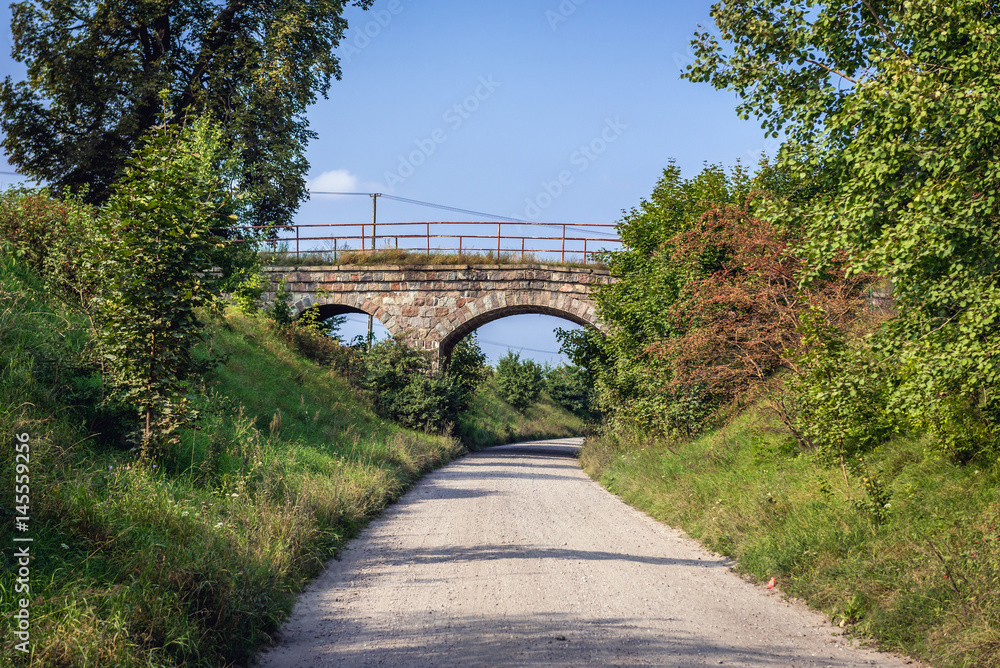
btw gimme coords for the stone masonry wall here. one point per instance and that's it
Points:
(434, 306)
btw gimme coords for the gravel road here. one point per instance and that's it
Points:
(513, 557)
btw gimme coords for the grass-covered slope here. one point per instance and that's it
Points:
(192, 558)
(490, 420)
(906, 551)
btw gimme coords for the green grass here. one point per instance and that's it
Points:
(492, 421)
(924, 578)
(193, 558)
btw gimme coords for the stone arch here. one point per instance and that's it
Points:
(498, 305)
(338, 303)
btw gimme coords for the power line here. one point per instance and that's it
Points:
(507, 345)
(364, 320)
(453, 208)
(445, 207)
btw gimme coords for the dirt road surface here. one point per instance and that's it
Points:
(513, 557)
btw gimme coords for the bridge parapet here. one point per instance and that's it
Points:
(435, 306)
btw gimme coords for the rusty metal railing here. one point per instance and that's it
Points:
(574, 240)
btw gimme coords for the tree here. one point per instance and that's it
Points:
(404, 388)
(638, 307)
(95, 70)
(572, 387)
(519, 382)
(894, 105)
(154, 254)
(467, 365)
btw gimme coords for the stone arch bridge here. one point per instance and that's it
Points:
(436, 306)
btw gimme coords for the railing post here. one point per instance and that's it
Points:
(585, 250)
(522, 248)
(428, 238)
(460, 245)
(374, 200)
(498, 242)
(563, 255)
(296, 242)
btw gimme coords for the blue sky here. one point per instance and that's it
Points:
(480, 105)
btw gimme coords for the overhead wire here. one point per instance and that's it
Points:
(456, 209)
(364, 320)
(507, 345)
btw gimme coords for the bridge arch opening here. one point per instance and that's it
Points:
(355, 322)
(533, 336)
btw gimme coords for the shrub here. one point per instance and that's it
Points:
(154, 255)
(280, 310)
(519, 382)
(836, 400)
(403, 388)
(52, 236)
(467, 366)
(425, 402)
(572, 388)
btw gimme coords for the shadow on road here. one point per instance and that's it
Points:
(538, 640)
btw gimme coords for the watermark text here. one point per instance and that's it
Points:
(22, 547)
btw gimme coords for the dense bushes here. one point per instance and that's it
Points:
(51, 235)
(139, 266)
(519, 382)
(708, 303)
(399, 381)
(571, 387)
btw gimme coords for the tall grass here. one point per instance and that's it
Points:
(919, 574)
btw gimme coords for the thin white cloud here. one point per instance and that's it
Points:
(336, 180)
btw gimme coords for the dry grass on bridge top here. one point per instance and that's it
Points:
(394, 256)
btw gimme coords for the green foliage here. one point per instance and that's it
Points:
(467, 365)
(707, 300)
(838, 395)
(571, 387)
(94, 71)
(401, 385)
(153, 256)
(519, 382)
(638, 305)
(280, 310)
(248, 291)
(488, 420)
(50, 234)
(243, 277)
(892, 106)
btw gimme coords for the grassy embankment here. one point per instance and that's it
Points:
(193, 558)
(921, 576)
